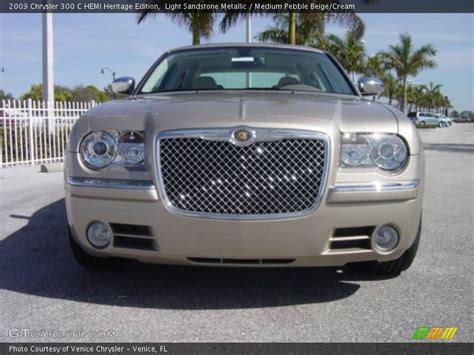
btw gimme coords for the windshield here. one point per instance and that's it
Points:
(246, 68)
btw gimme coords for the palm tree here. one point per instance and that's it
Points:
(200, 24)
(416, 97)
(349, 51)
(374, 66)
(408, 61)
(310, 31)
(433, 92)
(389, 87)
(289, 26)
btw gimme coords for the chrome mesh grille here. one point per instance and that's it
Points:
(266, 178)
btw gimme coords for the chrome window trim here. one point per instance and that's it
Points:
(376, 186)
(226, 134)
(111, 183)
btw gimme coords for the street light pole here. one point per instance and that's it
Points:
(48, 78)
(102, 71)
(248, 32)
(110, 71)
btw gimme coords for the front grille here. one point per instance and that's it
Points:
(216, 177)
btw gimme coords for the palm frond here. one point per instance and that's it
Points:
(273, 34)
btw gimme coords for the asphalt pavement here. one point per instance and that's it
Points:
(46, 296)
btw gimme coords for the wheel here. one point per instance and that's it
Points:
(422, 123)
(86, 260)
(441, 125)
(395, 267)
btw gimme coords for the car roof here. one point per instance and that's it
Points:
(245, 44)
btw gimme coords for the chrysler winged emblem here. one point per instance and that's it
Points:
(242, 135)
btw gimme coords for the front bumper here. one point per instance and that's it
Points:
(302, 241)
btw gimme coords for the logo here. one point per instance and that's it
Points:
(242, 135)
(434, 333)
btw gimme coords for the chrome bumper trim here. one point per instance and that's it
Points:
(111, 183)
(373, 192)
(376, 186)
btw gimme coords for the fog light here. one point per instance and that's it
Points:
(99, 235)
(385, 238)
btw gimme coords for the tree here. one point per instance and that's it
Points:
(432, 92)
(408, 61)
(349, 51)
(61, 93)
(200, 24)
(5, 95)
(416, 97)
(389, 87)
(299, 28)
(374, 66)
(81, 93)
(310, 32)
(88, 93)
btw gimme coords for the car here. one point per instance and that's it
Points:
(447, 121)
(254, 155)
(427, 119)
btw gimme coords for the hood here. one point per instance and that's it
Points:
(323, 112)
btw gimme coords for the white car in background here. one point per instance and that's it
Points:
(448, 121)
(427, 119)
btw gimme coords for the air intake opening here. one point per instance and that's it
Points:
(356, 231)
(352, 238)
(241, 261)
(131, 229)
(133, 243)
(133, 236)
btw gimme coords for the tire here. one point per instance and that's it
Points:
(441, 125)
(422, 123)
(86, 260)
(395, 267)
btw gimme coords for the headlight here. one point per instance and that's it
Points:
(101, 149)
(385, 151)
(98, 150)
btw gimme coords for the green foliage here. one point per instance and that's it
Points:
(310, 28)
(79, 93)
(88, 93)
(349, 51)
(6, 95)
(61, 94)
(407, 61)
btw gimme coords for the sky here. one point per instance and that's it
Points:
(84, 43)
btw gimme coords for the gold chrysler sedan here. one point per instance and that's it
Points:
(245, 155)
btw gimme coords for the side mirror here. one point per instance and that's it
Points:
(370, 86)
(123, 85)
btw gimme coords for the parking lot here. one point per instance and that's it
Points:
(42, 287)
